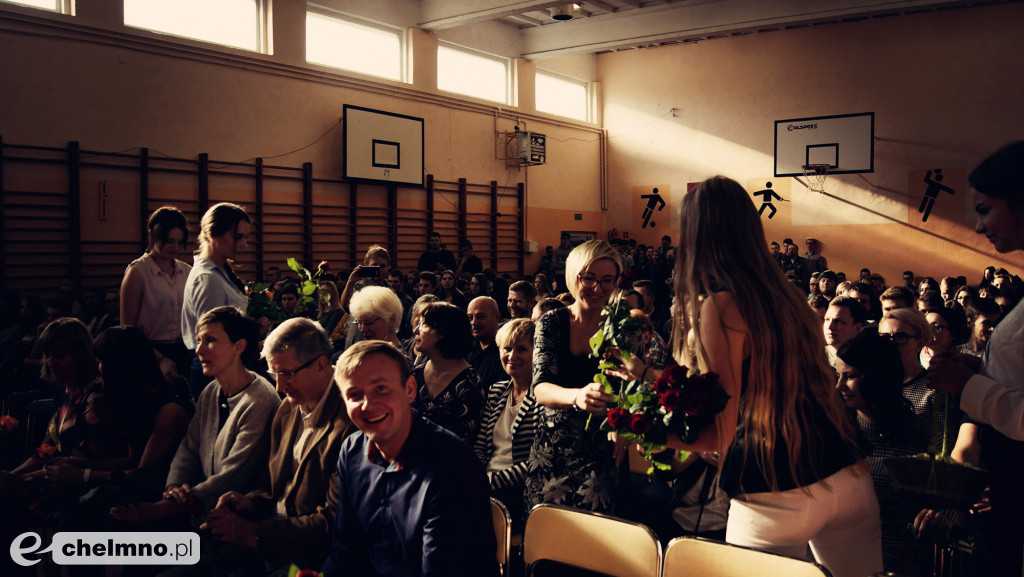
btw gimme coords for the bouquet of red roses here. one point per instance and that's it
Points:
(681, 403)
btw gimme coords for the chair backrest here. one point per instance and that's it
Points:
(591, 541)
(691, 556)
(502, 532)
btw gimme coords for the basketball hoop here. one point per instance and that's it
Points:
(816, 174)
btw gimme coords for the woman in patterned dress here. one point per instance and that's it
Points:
(572, 464)
(447, 389)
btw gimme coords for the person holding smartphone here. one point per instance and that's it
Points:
(370, 273)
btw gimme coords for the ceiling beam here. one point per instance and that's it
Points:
(441, 14)
(521, 19)
(601, 5)
(679, 21)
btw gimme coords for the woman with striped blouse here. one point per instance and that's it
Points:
(509, 419)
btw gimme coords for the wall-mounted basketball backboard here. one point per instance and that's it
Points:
(845, 142)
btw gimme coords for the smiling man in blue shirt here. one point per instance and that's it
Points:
(413, 498)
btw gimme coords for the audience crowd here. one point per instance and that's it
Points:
(405, 398)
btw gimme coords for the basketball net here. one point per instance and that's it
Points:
(816, 175)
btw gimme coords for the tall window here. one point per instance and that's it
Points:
(62, 6)
(235, 23)
(333, 41)
(472, 73)
(562, 96)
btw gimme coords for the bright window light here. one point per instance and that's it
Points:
(561, 96)
(342, 44)
(53, 5)
(472, 74)
(235, 23)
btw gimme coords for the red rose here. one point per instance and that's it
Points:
(618, 418)
(692, 405)
(639, 423)
(8, 423)
(324, 265)
(670, 399)
(46, 450)
(672, 378)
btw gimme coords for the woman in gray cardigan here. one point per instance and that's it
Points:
(228, 441)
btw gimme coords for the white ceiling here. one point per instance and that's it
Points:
(609, 25)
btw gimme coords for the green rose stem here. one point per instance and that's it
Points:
(611, 329)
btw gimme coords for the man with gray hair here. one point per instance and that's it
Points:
(291, 523)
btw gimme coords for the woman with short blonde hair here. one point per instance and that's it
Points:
(571, 464)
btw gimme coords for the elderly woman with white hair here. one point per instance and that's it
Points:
(377, 312)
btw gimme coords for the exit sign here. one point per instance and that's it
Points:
(578, 216)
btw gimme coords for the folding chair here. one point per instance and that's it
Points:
(502, 533)
(591, 541)
(693, 556)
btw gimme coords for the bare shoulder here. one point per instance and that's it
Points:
(720, 308)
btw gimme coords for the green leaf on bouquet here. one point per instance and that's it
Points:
(606, 365)
(596, 341)
(295, 265)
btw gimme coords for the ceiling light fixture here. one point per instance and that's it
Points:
(564, 12)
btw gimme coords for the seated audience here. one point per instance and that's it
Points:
(843, 319)
(864, 294)
(431, 485)
(982, 317)
(820, 306)
(478, 285)
(416, 317)
(544, 306)
(521, 298)
(828, 283)
(541, 287)
(228, 440)
(330, 312)
(870, 377)
(965, 295)
(447, 388)
(949, 330)
(509, 419)
(396, 282)
(897, 297)
(484, 355)
(910, 331)
(929, 301)
(80, 426)
(263, 531)
(449, 293)
(947, 288)
(377, 312)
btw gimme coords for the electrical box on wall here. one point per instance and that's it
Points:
(530, 246)
(532, 148)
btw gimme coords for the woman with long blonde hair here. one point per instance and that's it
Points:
(790, 461)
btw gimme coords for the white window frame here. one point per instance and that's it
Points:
(506, 62)
(363, 22)
(59, 6)
(262, 32)
(588, 112)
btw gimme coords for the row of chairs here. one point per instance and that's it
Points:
(616, 547)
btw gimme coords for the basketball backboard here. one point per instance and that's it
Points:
(845, 142)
